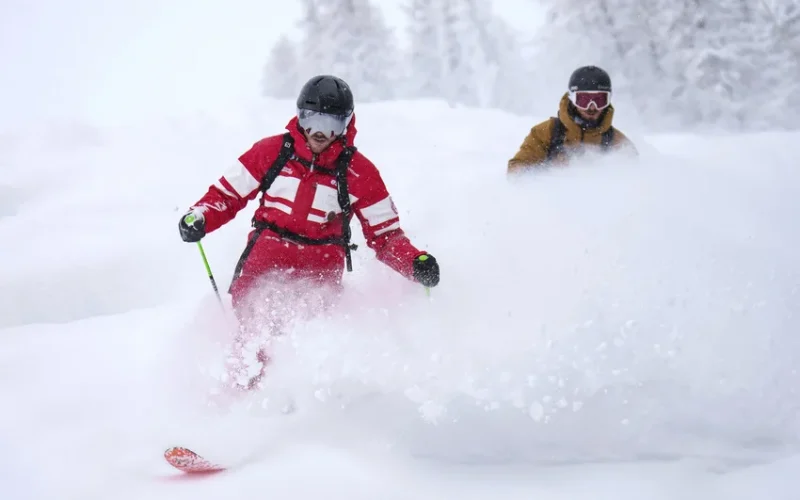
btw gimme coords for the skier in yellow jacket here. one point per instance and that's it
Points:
(584, 122)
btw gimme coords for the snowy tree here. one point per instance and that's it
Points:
(681, 62)
(368, 53)
(516, 86)
(781, 70)
(313, 47)
(346, 38)
(459, 57)
(576, 33)
(733, 63)
(639, 54)
(476, 49)
(426, 73)
(455, 50)
(280, 78)
(353, 42)
(726, 69)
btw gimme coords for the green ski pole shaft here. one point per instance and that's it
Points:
(189, 220)
(208, 271)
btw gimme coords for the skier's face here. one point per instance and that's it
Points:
(318, 141)
(591, 113)
(321, 129)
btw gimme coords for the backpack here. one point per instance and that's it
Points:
(339, 172)
(560, 133)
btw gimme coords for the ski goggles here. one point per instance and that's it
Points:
(582, 99)
(330, 125)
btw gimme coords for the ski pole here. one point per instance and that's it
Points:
(189, 220)
(208, 271)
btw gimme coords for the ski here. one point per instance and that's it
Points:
(187, 461)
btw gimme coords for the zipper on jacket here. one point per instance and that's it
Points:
(313, 162)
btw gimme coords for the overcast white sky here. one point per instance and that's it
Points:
(114, 60)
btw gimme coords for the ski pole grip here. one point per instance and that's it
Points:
(423, 258)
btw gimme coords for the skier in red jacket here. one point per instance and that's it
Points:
(311, 180)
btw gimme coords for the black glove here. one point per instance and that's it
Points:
(426, 270)
(192, 227)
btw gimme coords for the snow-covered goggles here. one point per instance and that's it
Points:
(583, 98)
(330, 125)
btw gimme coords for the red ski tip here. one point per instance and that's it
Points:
(190, 462)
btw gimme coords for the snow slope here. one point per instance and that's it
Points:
(617, 330)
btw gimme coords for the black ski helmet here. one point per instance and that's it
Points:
(326, 94)
(589, 78)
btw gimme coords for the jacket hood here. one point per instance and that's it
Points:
(328, 157)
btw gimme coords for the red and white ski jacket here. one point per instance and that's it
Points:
(305, 202)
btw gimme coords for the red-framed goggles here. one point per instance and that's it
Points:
(582, 99)
(330, 125)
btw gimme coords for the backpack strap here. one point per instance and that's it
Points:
(559, 133)
(285, 154)
(607, 138)
(342, 165)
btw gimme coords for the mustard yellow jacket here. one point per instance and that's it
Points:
(533, 151)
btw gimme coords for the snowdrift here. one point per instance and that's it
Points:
(618, 329)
